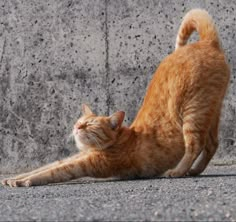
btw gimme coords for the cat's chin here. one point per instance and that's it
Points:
(79, 144)
(83, 143)
(85, 146)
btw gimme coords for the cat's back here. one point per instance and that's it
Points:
(196, 69)
(192, 74)
(192, 62)
(188, 69)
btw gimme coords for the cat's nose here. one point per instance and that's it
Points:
(80, 125)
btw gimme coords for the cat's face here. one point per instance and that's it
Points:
(96, 132)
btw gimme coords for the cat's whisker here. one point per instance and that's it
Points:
(95, 140)
(70, 138)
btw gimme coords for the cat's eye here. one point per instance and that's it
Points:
(89, 123)
(92, 122)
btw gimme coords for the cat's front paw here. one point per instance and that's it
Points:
(7, 182)
(18, 183)
(173, 173)
(4, 182)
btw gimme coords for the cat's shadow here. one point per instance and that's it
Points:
(93, 181)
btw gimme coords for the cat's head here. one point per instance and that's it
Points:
(96, 132)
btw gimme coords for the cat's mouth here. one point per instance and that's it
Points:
(79, 133)
(82, 136)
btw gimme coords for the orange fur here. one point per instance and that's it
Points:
(177, 121)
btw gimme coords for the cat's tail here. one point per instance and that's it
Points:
(197, 20)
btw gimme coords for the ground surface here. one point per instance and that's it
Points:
(211, 197)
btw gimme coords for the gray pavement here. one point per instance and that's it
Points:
(210, 197)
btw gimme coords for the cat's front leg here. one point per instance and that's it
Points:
(61, 173)
(10, 181)
(94, 164)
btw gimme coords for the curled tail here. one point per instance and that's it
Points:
(197, 20)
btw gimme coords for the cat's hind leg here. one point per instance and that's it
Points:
(196, 125)
(209, 150)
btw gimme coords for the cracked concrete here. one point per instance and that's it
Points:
(56, 55)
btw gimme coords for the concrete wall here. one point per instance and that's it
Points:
(54, 55)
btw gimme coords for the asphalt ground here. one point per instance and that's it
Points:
(209, 197)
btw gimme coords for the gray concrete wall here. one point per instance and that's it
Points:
(54, 55)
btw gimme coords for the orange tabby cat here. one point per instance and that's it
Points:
(177, 122)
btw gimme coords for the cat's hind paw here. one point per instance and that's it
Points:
(193, 172)
(173, 173)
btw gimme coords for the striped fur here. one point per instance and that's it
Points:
(177, 121)
(197, 20)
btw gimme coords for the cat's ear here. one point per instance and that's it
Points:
(116, 119)
(86, 110)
